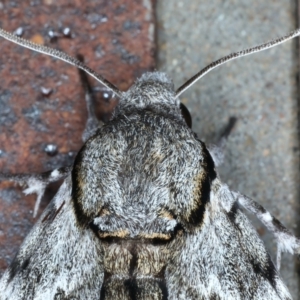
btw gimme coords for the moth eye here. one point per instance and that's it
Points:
(186, 115)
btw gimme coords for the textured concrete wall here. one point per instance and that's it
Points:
(260, 90)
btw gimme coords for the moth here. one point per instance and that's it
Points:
(142, 213)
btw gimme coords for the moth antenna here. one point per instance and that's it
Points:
(233, 56)
(60, 55)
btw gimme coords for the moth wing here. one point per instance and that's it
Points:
(58, 259)
(224, 259)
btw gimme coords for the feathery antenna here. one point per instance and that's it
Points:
(60, 55)
(235, 55)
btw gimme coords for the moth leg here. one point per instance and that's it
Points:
(286, 241)
(217, 150)
(92, 123)
(37, 183)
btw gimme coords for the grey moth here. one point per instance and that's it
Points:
(142, 213)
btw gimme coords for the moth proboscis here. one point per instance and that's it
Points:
(142, 213)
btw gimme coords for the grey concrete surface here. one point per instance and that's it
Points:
(262, 154)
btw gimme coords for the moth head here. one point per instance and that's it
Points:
(155, 91)
(151, 88)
